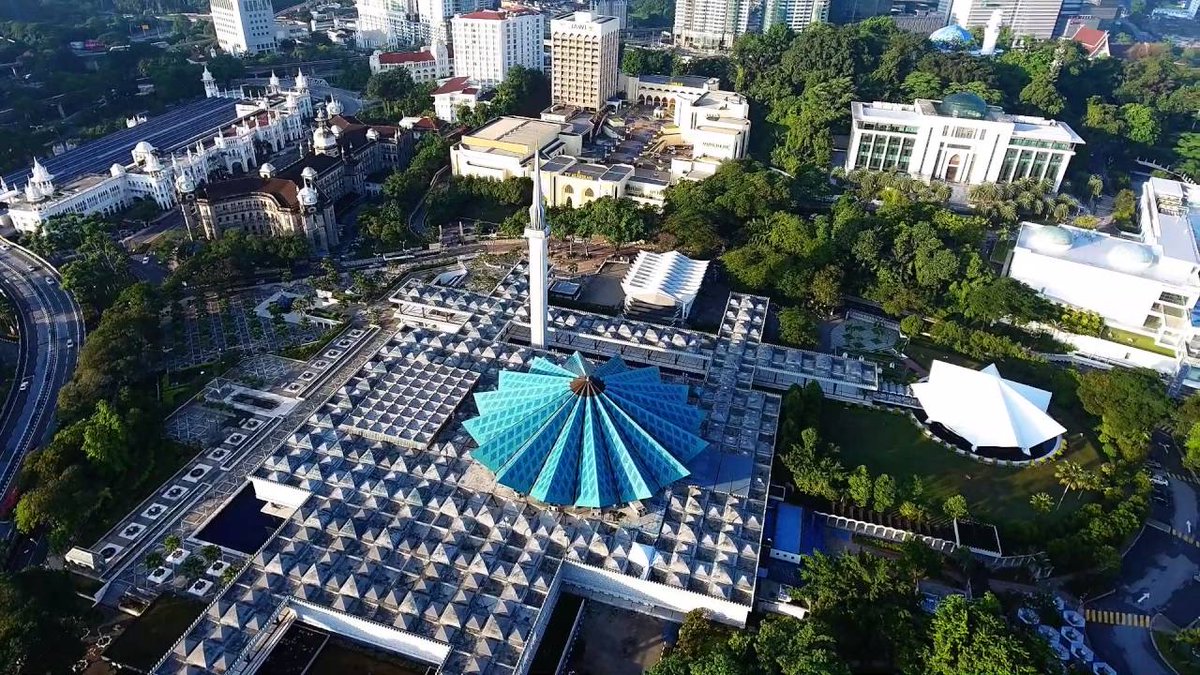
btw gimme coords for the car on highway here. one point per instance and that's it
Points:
(24, 385)
(4, 247)
(50, 280)
(70, 343)
(31, 268)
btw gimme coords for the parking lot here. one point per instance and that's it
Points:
(203, 330)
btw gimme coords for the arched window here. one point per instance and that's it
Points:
(952, 167)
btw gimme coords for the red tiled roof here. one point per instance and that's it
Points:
(397, 58)
(426, 123)
(454, 84)
(1092, 39)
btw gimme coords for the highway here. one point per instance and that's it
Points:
(49, 321)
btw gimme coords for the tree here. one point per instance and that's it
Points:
(1072, 476)
(788, 646)
(1131, 403)
(1125, 207)
(1191, 457)
(912, 325)
(1141, 123)
(153, 560)
(171, 543)
(955, 507)
(637, 61)
(99, 273)
(1041, 502)
(921, 84)
(973, 637)
(1095, 188)
(106, 440)
(884, 492)
(860, 485)
(39, 612)
(797, 328)
(192, 567)
(210, 553)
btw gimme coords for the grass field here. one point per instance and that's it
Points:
(1134, 340)
(891, 443)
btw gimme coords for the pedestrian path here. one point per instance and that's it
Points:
(1185, 477)
(1117, 618)
(1178, 534)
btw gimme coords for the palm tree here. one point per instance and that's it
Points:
(1072, 476)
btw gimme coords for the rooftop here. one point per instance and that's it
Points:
(498, 15)
(397, 58)
(664, 278)
(515, 136)
(1025, 126)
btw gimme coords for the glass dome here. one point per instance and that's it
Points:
(953, 35)
(964, 104)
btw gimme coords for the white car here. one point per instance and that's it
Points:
(70, 343)
(24, 385)
(1159, 480)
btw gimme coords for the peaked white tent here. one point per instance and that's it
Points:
(985, 409)
(670, 279)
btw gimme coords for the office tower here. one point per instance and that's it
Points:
(244, 26)
(583, 59)
(1036, 18)
(489, 42)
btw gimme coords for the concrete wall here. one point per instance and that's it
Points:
(371, 632)
(647, 596)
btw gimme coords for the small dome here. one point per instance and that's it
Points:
(323, 140)
(964, 104)
(308, 173)
(334, 107)
(143, 148)
(184, 183)
(1130, 257)
(953, 35)
(372, 135)
(116, 170)
(1051, 239)
(267, 170)
(336, 131)
(308, 196)
(152, 163)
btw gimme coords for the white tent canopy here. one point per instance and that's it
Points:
(665, 279)
(985, 409)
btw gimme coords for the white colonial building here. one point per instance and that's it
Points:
(430, 64)
(1146, 283)
(490, 42)
(268, 123)
(960, 139)
(455, 93)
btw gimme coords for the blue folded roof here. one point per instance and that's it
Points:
(578, 435)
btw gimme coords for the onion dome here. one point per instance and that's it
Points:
(267, 170)
(334, 107)
(308, 196)
(575, 435)
(184, 183)
(308, 173)
(143, 148)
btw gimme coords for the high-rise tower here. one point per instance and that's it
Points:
(538, 234)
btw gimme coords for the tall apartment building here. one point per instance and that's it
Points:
(795, 14)
(244, 26)
(1036, 18)
(583, 59)
(490, 42)
(711, 24)
(391, 24)
(617, 8)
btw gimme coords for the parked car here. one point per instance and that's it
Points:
(1159, 479)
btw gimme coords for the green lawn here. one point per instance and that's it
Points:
(925, 353)
(1134, 340)
(892, 443)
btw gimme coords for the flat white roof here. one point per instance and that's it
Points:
(1024, 126)
(1115, 254)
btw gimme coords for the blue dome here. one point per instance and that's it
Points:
(574, 435)
(953, 35)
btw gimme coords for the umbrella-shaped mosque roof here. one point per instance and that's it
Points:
(579, 435)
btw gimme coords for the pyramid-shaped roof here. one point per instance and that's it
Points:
(578, 435)
(985, 409)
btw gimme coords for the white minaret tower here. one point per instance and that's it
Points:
(991, 34)
(538, 234)
(211, 90)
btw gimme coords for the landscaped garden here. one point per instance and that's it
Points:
(891, 443)
(150, 635)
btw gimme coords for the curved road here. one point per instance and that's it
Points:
(51, 332)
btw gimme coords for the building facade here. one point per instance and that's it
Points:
(344, 157)
(1147, 284)
(614, 8)
(1035, 18)
(455, 93)
(959, 140)
(795, 14)
(583, 56)
(393, 24)
(711, 25)
(490, 42)
(427, 65)
(263, 126)
(244, 26)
